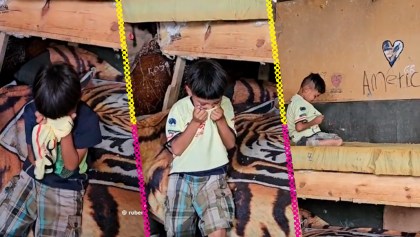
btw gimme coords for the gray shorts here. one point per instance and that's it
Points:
(314, 139)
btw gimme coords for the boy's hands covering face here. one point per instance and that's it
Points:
(40, 118)
(199, 115)
(217, 113)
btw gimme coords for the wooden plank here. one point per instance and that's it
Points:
(245, 41)
(404, 219)
(4, 39)
(85, 22)
(358, 188)
(342, 40)
(172, 92)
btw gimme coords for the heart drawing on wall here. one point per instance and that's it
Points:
(392, 51)
(336, 80)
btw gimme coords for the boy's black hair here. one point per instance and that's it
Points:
(315, 78)
(207, 79)
(57, 90)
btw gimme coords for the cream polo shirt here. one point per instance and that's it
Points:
(301, 110)
(206, 151)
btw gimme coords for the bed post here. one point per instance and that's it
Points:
(264, 72)
(4, 39)
(172, 92)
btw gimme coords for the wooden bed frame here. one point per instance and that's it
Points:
(231, 40)
(293, 31)
(358, 188)
(95, 23)
(84, 22)
(359, 172)
(400, 195)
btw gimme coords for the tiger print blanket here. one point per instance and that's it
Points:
(113, 179)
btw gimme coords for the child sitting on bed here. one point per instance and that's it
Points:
(200, 131)
(48, 192)
(303, 119)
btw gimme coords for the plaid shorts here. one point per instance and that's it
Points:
(314, 139)
(26, 203)
(206, 199)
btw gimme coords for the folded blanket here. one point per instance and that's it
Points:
(45, 139)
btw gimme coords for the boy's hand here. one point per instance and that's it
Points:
(73, 116)
(217, 114)
(318, 119)
(40, 118)
(199, 115)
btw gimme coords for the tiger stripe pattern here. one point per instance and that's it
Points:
(83, 60)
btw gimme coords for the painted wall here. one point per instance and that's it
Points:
(364, 49)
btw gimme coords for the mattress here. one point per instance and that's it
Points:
(368, 158)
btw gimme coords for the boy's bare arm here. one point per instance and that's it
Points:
(71, 156)
(226, 133)
(31, 155)
(301, 126)
(180, 143)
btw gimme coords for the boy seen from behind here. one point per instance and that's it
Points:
(47, 195)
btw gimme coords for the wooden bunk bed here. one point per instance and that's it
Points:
(234, 30)
(365, 167)
(221, 34)
(78, 22)
(240, 40)
(92, 23)
(84, 22)
(378, 163)
(359, 172)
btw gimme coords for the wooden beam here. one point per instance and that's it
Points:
(358, 188)
(4, 39)
(172, 92)
(401, 219)
(245, 41)
(85, 22)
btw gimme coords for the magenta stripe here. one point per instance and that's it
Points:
(292, 186)
(143, 197)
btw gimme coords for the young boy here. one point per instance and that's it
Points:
(303, 119)
(200, 131)
(52, 204)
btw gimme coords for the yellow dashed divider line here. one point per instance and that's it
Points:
(133, 119)
(277, 72)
